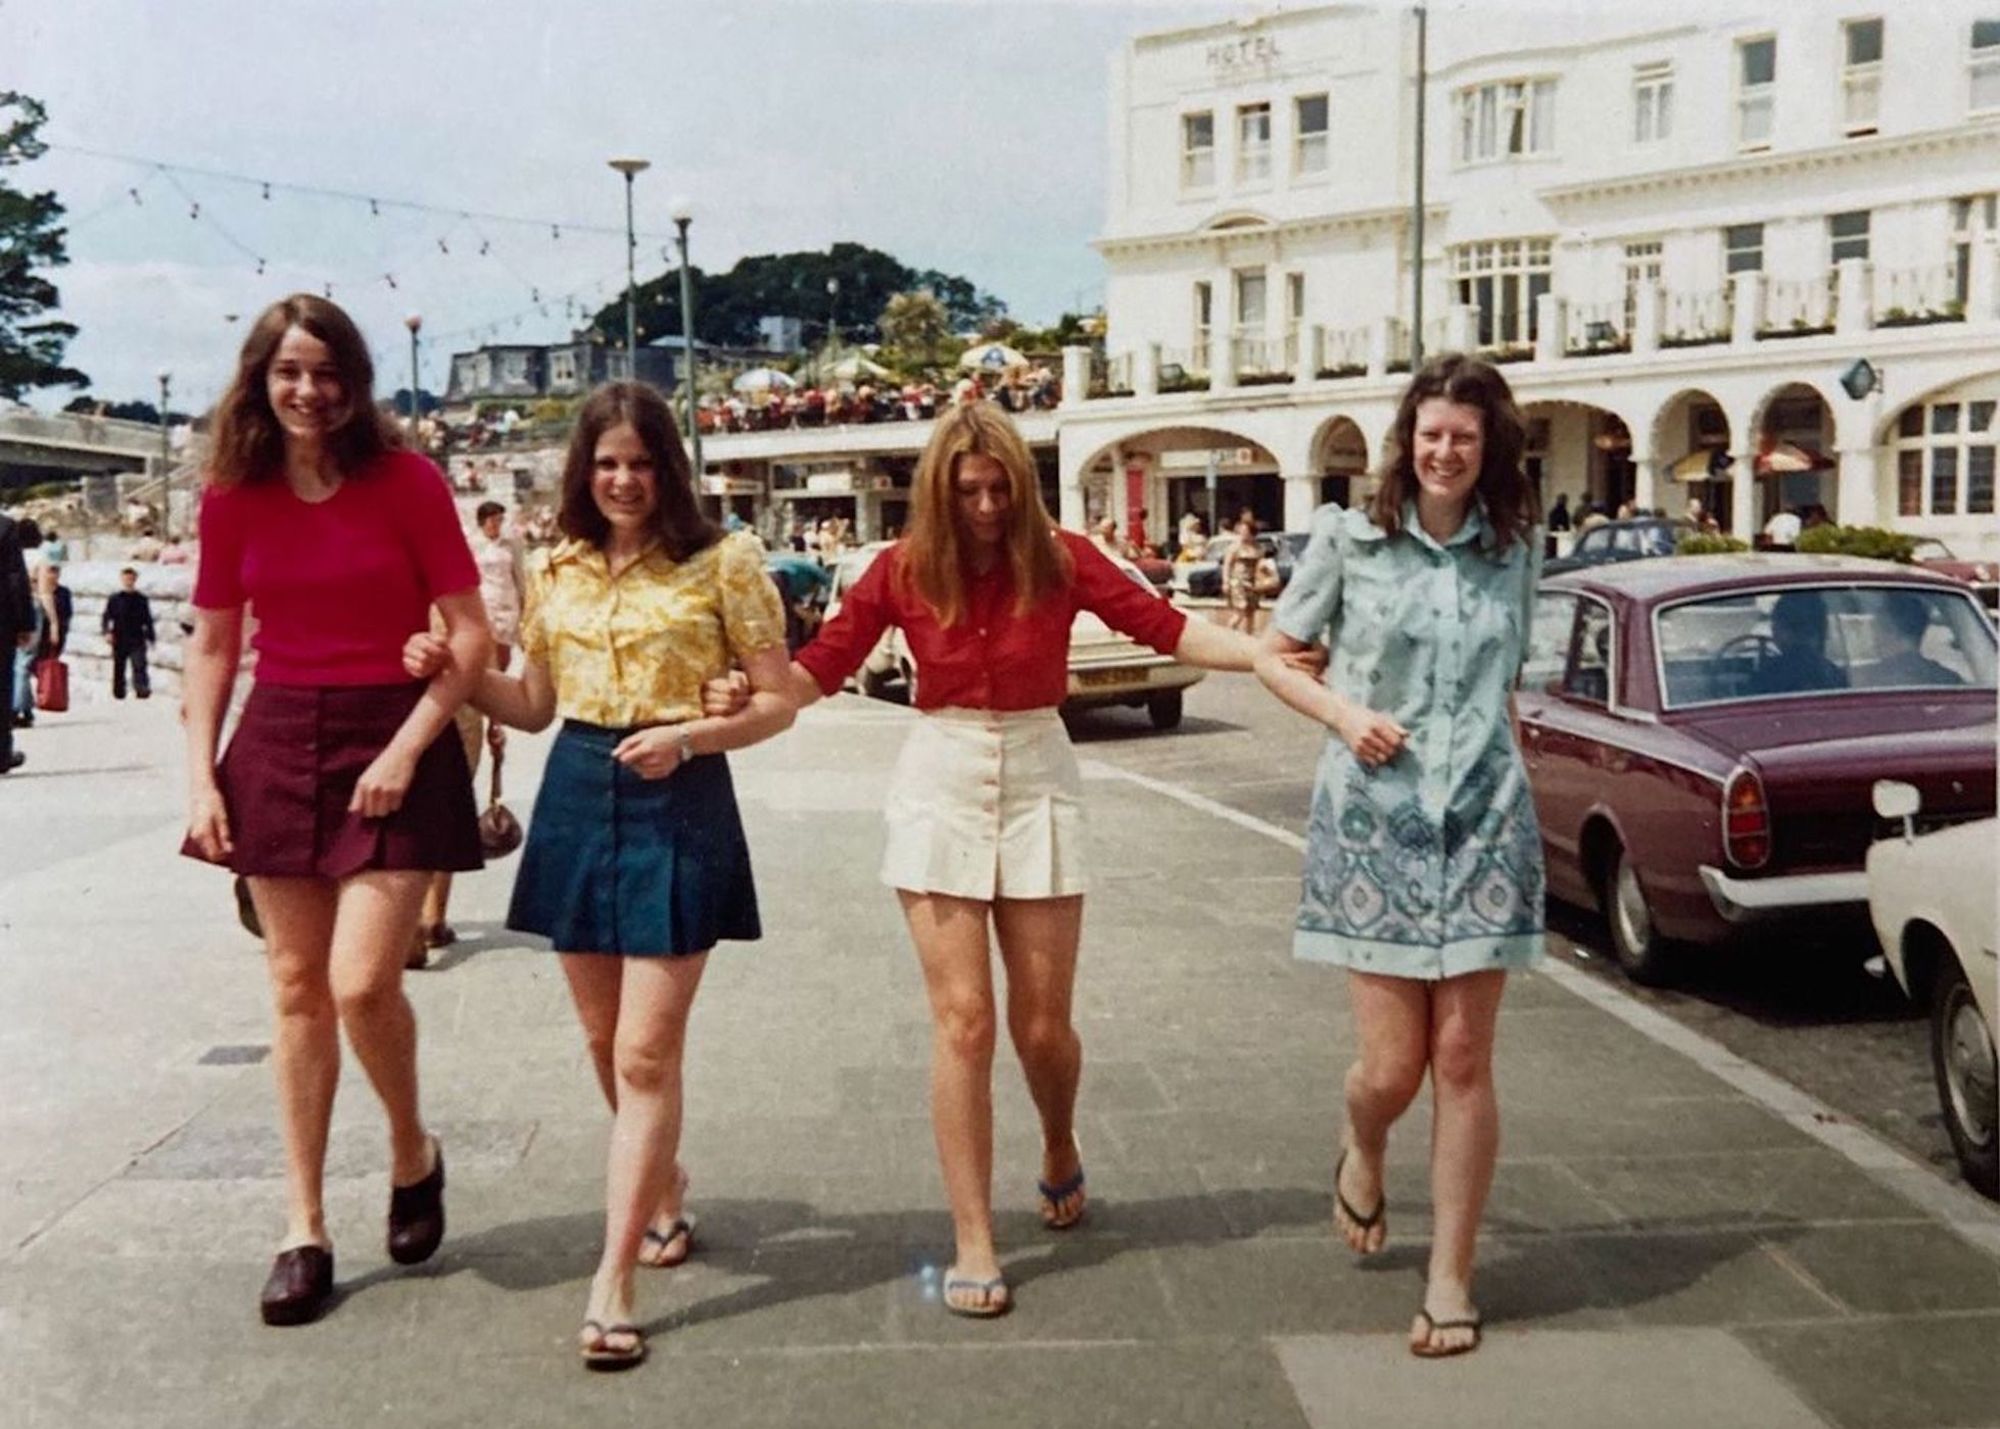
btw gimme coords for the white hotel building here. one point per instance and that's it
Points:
(1678, 232)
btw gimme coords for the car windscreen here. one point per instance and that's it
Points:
(1815, 640)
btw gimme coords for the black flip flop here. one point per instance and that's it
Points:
(1362, 1223)
(1433, 1325)
(601, 1356)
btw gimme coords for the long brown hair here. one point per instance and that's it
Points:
(933, 556)
(1510, 501)
(677, 520)
(248, 445)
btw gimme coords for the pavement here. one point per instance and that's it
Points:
(1665, 1246)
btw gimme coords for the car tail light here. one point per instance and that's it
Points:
(1746, 820)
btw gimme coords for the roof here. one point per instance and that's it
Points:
(1688, 575)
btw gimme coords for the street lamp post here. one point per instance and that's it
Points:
(631, 168)
(414, 322)
(166, 443)
(832, 327)
(683, 216)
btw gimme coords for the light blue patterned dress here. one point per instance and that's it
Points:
(1429, 866)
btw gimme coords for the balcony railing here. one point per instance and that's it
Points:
(1258, 360)
(1696, 319)
(1909, 297)
(1344, 352)
(1596, 329)
(1800, 307)
(1184, 369)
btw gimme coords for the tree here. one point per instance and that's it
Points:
(31, 237)
(915, 323)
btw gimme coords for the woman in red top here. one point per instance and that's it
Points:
(985, 807)
(344, 784)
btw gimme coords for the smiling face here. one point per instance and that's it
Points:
(623, 480)
(983, 497)
(304, 388)
(1448, 447)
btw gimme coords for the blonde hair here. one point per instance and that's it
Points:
(933, 557)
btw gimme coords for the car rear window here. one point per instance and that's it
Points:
(1816, 640)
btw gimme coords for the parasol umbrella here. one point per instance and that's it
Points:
(854, 367)
(763, 379)
(1784, 458)
(991, 357)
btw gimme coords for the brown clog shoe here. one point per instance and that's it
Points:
(416, 1215)
(299, 1287)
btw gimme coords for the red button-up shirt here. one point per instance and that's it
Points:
(994, 658)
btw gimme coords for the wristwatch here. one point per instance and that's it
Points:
(686, 745)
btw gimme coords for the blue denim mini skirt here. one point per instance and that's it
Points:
(616, 863)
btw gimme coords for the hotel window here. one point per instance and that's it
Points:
(1295, 315)
(1945, 459)
(1847, 235)
(1198, 150)
(1309, 147)
(1498, 121)
(1502, 279)
(1985, 66)
(1970, 217)
(1756, 92)
(1861, 78)
(1642, 267)
(1652, 103)
(1204, 312)
(1250, 302)
(1743, 248)
(1253, 142)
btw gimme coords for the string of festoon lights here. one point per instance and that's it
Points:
(446, 234)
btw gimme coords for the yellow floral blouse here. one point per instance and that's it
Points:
(636, 649)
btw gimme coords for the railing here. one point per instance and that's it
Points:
(1596, 329)
(1696, 319)
(1258, 360)
(1345, 353)
(1907, 297)
(1799, 307)
(1184, 369)
(1111, 376)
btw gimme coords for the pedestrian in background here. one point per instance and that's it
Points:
(55, 605)
(1423, 868)
(16, 625)
(21, 706)
(128, 626)
(344, 785)
(1241, 568)
(636, 865)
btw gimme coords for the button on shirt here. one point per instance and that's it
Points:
(994, 657)
(636, 648)
(1430, 865)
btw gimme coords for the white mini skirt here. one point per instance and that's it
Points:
(985, 805)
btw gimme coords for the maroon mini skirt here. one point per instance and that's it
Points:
(290, 770)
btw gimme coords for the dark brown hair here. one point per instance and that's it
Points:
(1511, 504)
(246, 443)
(677, 519)
(933, 558)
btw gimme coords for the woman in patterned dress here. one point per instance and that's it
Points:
(636, 864)
(1423, 869)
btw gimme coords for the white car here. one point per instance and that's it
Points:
(1932, 899)
(1105, 668)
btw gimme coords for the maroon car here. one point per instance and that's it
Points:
(1982, 576)
(1702, 735)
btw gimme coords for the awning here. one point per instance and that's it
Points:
(1788, 458)
(1695, 466)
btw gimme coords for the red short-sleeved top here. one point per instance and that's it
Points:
(994, 657)
(338, 585)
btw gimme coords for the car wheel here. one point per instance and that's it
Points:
(875, 684)
(1641, 951)
(1963, 1059)
(1164, 709)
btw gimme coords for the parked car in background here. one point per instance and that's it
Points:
(1932, 899)
(1202, 579)
(1105, 668)
(1982, 576)
(1638, 539)
(1702, 735)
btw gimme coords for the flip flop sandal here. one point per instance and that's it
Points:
(1362, 1223)
(682, 1230)
(1054, 1196)
(991, 1307)
(1425, 1351)
(599, 1354)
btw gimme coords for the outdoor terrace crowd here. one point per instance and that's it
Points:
(772, 409)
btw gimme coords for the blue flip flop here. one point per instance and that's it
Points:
(1054, 1196)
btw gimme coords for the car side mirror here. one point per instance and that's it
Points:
(1893, 799)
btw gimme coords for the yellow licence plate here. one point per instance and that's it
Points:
(1122, 675)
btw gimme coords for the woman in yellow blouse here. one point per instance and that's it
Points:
(636, 864)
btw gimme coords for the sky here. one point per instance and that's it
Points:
(963, 135)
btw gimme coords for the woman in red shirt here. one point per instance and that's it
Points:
(985, 808)
(344, 784)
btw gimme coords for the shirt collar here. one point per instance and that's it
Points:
(1474, 527)
(587, 556)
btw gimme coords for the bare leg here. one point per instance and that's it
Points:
(595, 984)
(297, 918)
(1038, 944)
(653, 1006)
(950, 937)
(1392, 1020)
(374, 922)
(1465, 1142)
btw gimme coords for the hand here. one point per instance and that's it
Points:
(379, 791)
(424, 654)
(650, 753)
(725, 695)
(1309, 661)
(208, 824)
(1375, 738)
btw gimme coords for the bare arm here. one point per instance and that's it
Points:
(1213, 648)
(380, 789)
(655, 753)
(208, 674)
(1374, 737)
